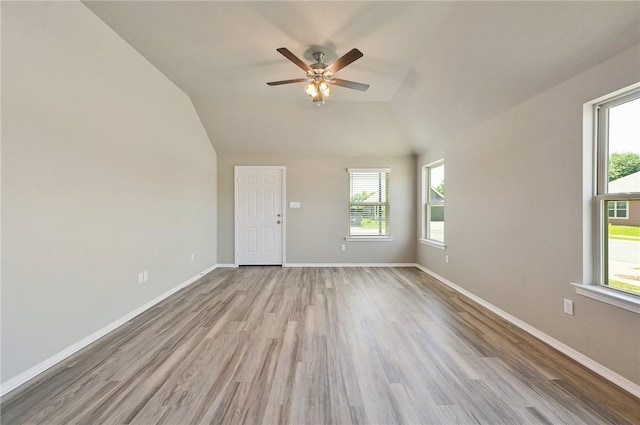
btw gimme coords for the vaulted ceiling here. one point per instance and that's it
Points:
(435, 68)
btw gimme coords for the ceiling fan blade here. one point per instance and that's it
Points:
(295, 80)
(293, 58)
(349, 57)
(349, 84)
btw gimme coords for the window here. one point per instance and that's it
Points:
(617, 198)
(433, 203)
(369, 203)
(618, 209)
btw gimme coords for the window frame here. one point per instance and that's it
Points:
(592, 224)
(386, 204)
(425, 236)
(601, 195)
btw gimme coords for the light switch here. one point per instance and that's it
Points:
(294, 204)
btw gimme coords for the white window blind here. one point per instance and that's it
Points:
(369, 202)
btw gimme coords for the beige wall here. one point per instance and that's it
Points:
(315, 231)
(106, 172)
(514, 211)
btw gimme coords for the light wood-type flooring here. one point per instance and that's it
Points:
(271, 345)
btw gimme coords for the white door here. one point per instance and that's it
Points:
(259, 215)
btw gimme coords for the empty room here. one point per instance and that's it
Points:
(320, 212)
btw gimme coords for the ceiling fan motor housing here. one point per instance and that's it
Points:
(318, 72)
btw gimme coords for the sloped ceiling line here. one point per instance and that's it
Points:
(435, 68)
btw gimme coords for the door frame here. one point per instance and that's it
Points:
(283, 192)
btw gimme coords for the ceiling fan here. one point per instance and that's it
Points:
(319, 75)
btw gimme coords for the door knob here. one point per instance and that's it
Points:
(278, 221)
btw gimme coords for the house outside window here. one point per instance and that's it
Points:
(368, 203)
(433, 204)
(617, 198)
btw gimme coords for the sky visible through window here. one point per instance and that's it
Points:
(624, 128)
(437, 176)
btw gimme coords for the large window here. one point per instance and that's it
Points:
(617, 199)
(433, 203)
(368, 202)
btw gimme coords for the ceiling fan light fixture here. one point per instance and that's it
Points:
(324, 88)
(317, 89)
(311, 89)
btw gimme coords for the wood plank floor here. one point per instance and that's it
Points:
(270, 345)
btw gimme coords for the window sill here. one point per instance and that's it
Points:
(435, 244)
(609, 296)
(368, 238)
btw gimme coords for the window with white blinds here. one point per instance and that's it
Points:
(368, 202)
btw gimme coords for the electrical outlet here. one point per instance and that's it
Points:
(446, 259)
(193, 257)
(146, 275)
(568, 306)
(140, 277)
(343, 247)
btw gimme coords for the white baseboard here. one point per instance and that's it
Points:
(227, 266)
(349, 265)
(601, 370)
(36, 370)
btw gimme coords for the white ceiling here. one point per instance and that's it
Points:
(435, 68)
